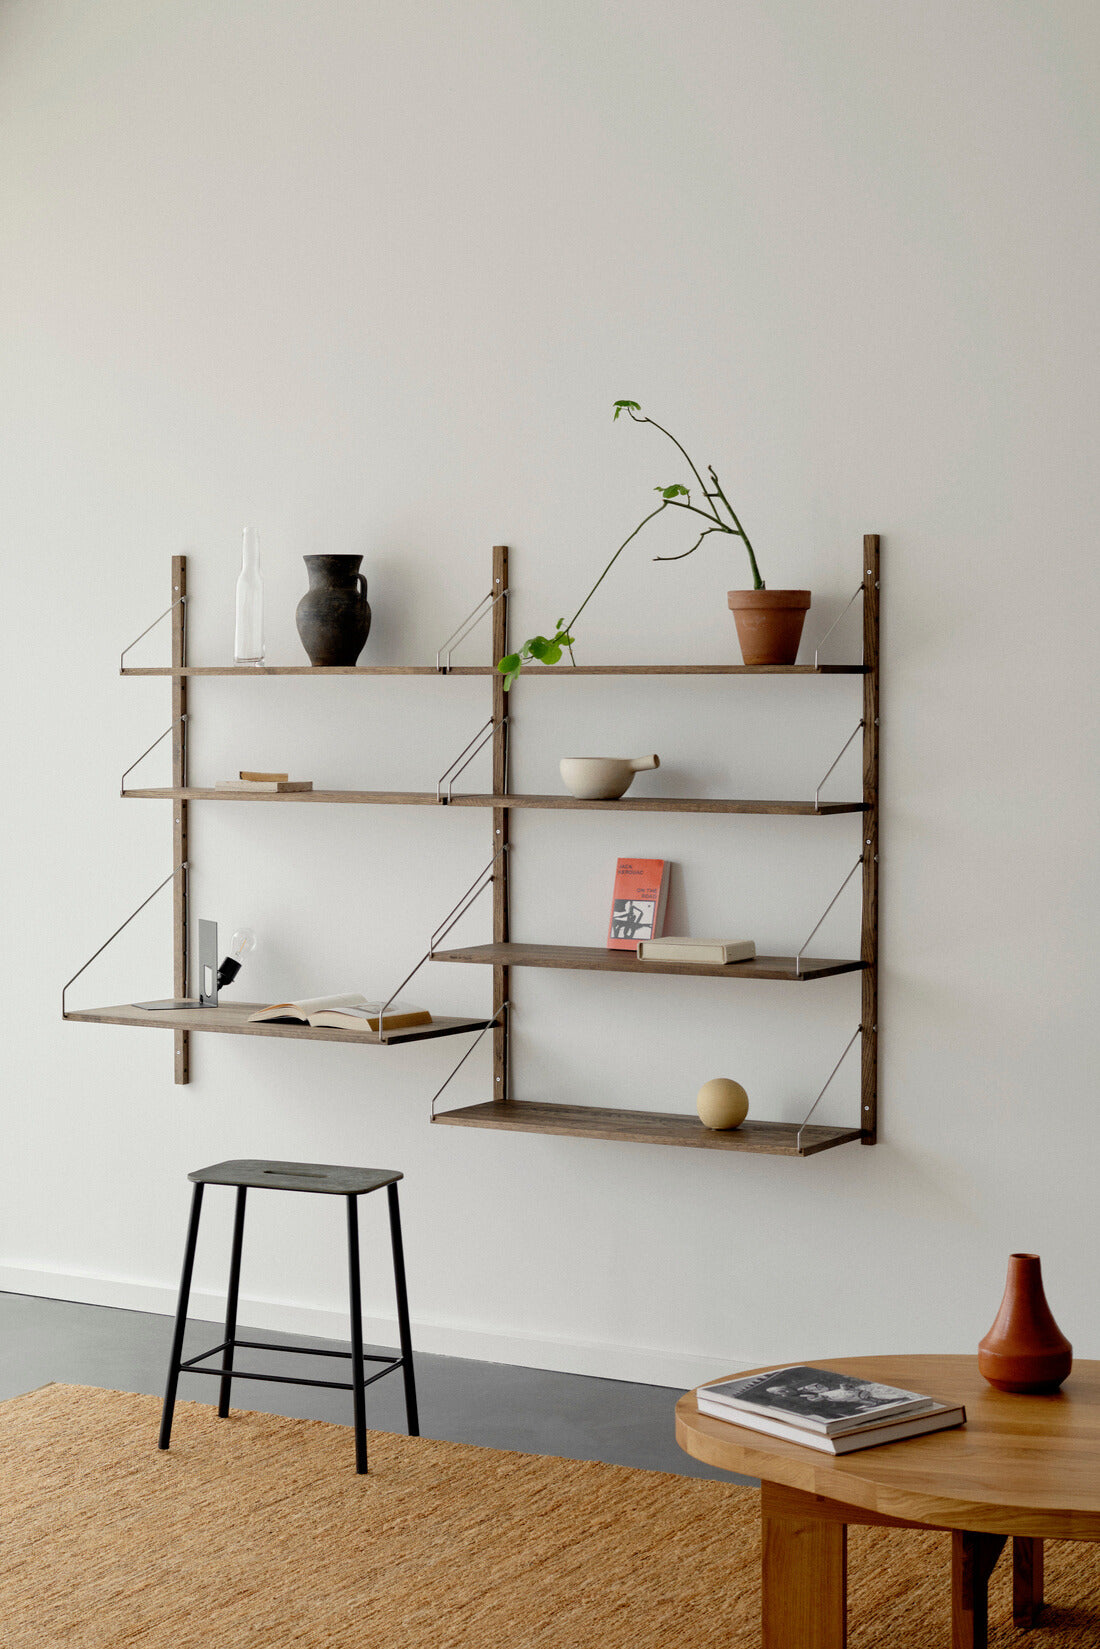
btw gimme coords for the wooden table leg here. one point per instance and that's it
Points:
(1027, 1581)
(973, 1557)
(804, 1570)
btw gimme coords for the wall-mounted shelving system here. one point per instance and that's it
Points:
(503, 954)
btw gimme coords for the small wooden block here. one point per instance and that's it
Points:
(265, 778)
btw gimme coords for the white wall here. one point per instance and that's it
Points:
(369, 276)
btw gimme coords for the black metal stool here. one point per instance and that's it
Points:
(330, 1180)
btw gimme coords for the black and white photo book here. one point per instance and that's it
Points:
(818, 1399)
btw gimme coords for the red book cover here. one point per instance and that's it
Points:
(638, 902)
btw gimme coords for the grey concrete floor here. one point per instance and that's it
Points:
(492, 1404)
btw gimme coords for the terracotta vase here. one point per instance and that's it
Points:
(769, 623)
(1025, 1350)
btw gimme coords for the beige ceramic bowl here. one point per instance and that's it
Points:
(603, 778)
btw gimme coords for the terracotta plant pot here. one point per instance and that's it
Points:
(1025, 1350)
(769, 623)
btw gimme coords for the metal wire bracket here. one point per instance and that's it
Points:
(183, 865)
(481, 881)
(860, 590)
(468, 625)
(487, 1027)
(825, 912)
(821, 1095)
(847, 742)
(181, 721)
(477, 744)
(179, 599)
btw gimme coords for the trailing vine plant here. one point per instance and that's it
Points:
(712, 505)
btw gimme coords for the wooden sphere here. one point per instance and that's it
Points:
(722, 1103)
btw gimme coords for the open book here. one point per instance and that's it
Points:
(341, 1013)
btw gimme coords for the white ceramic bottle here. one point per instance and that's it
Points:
(248, 637)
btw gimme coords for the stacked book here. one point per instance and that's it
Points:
(835, 1413)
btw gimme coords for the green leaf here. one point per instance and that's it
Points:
(675, 491)
(510, 664)
(626, 406)
(552, 653)
(538, 646)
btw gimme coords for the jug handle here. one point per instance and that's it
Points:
(363, 583)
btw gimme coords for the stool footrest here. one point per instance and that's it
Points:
(190, 1366)
(268, 1345)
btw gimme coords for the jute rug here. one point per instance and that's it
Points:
(255, 1531)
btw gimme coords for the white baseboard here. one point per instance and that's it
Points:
(641, 1364)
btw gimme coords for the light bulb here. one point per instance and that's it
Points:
(241, 945)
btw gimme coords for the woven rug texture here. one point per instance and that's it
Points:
(255, 1531)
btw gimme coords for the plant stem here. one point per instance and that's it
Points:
(669, 436)
(757, 581)
(613, 560)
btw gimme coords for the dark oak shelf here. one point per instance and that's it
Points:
(376, 798)
(663, 804)
(304, 670)
(428, 798)
(647, 1127)
(530, 673)
(233, 1019)
(622, 961)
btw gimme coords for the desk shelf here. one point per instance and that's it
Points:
(232, 1019)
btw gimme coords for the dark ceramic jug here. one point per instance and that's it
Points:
(333, 616)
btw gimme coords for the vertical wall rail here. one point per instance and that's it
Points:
(180, 969)
(500, 824)
(869, 940)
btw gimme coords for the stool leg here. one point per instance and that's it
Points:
(181, 1320)
(411, 1416)
(226, 1382)
(357, 1378)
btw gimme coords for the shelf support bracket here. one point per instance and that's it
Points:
(179, 722)
(469, 624)
(847, 742)
(477, 744)
(824, 913)
(484, 879)
(821, 1095)
(492, 1024)
(180, 601)
(69, 982)
(861, 589)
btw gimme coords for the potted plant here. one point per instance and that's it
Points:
(769, 622)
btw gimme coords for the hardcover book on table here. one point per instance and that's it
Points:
(818, 1399)
(638, 902)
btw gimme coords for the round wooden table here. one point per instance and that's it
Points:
(1025, 1467)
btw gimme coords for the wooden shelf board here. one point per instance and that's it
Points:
(530, 673)
(425, 798)
(646, 1127)
(233, 1018)
(662, 804)
(621, 961)
(377, 798)
(305, 670)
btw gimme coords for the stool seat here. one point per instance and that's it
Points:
(324, 1177)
